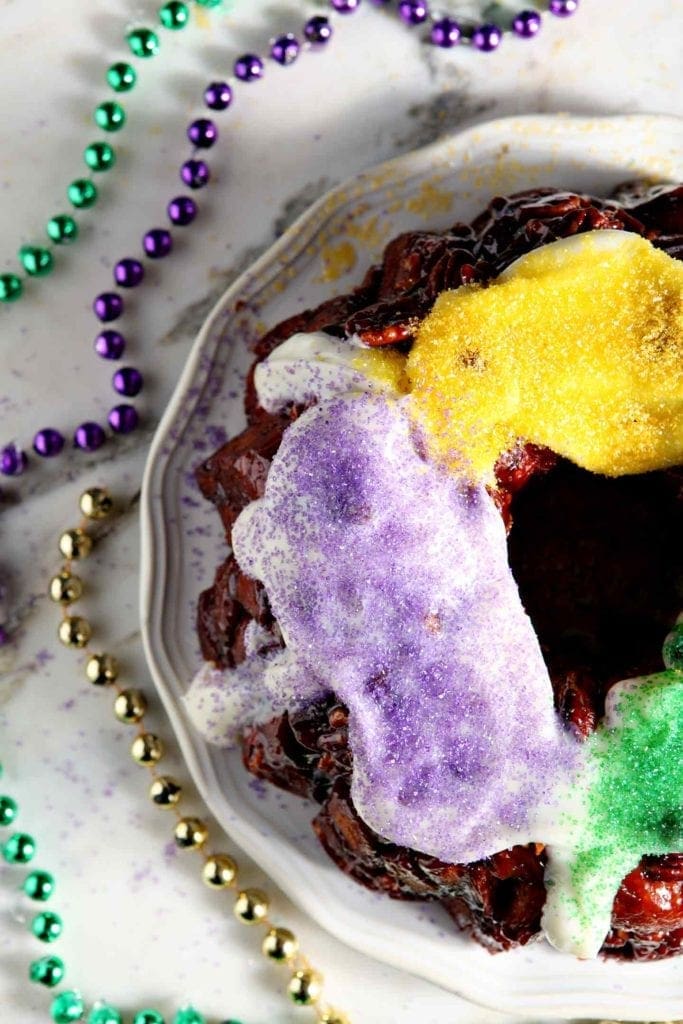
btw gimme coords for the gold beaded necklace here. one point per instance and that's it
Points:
(219, 871)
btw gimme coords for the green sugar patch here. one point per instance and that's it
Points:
(635, 798)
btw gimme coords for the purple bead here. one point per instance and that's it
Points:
(13, 461)
(195, 173)
(563, 8)
(181, 211)
(345, 6)
(48, 442)
(202, 133)
(108, 306)
(285, 49)
(157, 243)
(129, 273)
(110, 345)
(487, 37)
(4, 636)
(526, 24)
(445, 32)
(318, 29)
(413, 12)
(89, 437)
(127, 381)
(248, 67)
(123, 419)
(218, 96)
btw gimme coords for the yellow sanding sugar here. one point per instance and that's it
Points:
(386, 366)
(577, 346)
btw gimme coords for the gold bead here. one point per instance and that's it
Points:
(75, 543)
(74, 631)
(102, 669)
(96, 503)
(332, 1016)
(130, 706)
(280, 944)
(190, 833)
(220, 871)
(165, 791)
(65, 588)
(147, 749)
(305, 987)
(251, 906)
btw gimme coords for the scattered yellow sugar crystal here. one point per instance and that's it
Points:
(577, 346)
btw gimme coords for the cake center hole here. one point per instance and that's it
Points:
(599, 565)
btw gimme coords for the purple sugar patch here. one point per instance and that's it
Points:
(390, 583)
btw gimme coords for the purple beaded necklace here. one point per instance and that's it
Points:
(157, 243)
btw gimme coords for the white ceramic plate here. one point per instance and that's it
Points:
(326, 252)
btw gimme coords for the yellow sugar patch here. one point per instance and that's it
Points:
(385, 366)
(577, 346)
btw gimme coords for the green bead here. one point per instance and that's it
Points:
(143, 42)
(110, 116)
(209, 3)
(99, 156)
(82, 193)
(48, 971)
(39, 885)
(62, 229)
(121, 76)
(67, 1007)
(47, 926)
(36, 260)
(672, 652)
(11, 287)
(188, 1015)
(104, 1014)
(8, 810)
(148, 1017)
(174, 14)
(19, 848)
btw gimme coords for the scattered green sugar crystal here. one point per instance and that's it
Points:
(672, 651)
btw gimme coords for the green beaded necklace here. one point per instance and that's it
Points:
(38, 261)
(38, 886)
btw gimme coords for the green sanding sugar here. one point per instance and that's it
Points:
(672, 652)
(635, 799)
(638, 796)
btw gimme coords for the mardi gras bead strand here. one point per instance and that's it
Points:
(251, 906)
(195, 173)
(37, 260)
(67, 1006)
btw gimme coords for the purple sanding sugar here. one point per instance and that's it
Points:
(390, 583)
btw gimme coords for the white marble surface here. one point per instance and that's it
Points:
(139, 927)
